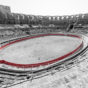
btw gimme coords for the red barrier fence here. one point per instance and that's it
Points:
(43, 63)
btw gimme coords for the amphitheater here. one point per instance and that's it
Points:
(43, 51)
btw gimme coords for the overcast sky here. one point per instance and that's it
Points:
(47, 7)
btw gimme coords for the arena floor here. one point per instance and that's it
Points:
(39, 49)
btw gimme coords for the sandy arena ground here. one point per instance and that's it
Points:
(39, 49)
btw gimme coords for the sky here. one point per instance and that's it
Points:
(47, 7)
